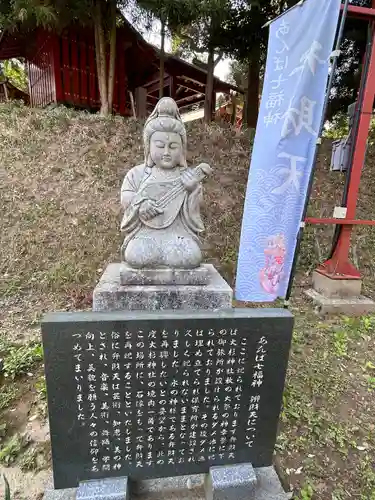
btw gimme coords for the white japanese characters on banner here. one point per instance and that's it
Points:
(299, 49)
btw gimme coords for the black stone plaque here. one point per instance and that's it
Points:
(163, 394)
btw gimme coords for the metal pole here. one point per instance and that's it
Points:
(311, 179)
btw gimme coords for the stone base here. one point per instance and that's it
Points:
(351, 306)
(114, 488)
(110, 295)
(267, 487)
(164, 276)
(231, 482)
(335, 289)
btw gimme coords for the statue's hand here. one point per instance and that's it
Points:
(149, 209)
(189, 180)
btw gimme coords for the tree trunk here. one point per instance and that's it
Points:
(252, 97)
(162, 59)
(112, 56)
(209, 87)
(97, 57)
(101, 59)
(6, 95)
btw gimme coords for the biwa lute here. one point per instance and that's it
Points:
(163, 193)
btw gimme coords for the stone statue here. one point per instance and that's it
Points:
(162, 197)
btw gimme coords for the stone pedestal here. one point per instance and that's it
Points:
(335, 289)
(114, 488)
(333, 296)
(234, 482)
(243, 482)
(111, 295)
(165, 276)
(224, 483)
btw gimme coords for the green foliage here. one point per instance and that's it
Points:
(306, 493)
(340, 342)
(347, 75)
(3, 430)
(238, 73)
(14, 71)
(174, 14)
(8, 393)
(4, 344)
(29, 460)
(371, 383)
(7, 489)
(41, 388)
(26, 12)
(205, 32)
(20, 360)
(12, 449)
(338, 127)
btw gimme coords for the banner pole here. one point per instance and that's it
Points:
(336, 55)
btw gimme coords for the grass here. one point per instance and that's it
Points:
(327, 417)
(60, 176)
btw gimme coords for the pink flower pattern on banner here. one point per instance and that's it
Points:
(271, 274)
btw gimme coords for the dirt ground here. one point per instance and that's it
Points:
(60, 175)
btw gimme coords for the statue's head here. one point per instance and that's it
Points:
(164, 136)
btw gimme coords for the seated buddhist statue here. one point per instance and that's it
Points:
(162, 197)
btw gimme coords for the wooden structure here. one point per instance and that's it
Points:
(225, 113)
(62, 69)
(9, 92)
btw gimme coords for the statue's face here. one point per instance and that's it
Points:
(166, 149)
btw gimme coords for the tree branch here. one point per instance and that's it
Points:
(218, 59)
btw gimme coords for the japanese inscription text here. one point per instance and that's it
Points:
(181, 395)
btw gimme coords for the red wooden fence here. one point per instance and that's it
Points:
(40, 71)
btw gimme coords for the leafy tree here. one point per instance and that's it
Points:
(249, 47)
(246, 39)
(237, 73)
(204, 36)
(348, 72)
(14, 71)
(173, 15)
(26, 12)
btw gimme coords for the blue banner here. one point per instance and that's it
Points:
(299, 50)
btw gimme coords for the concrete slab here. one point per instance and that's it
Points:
(353, 306)
(336, 289)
